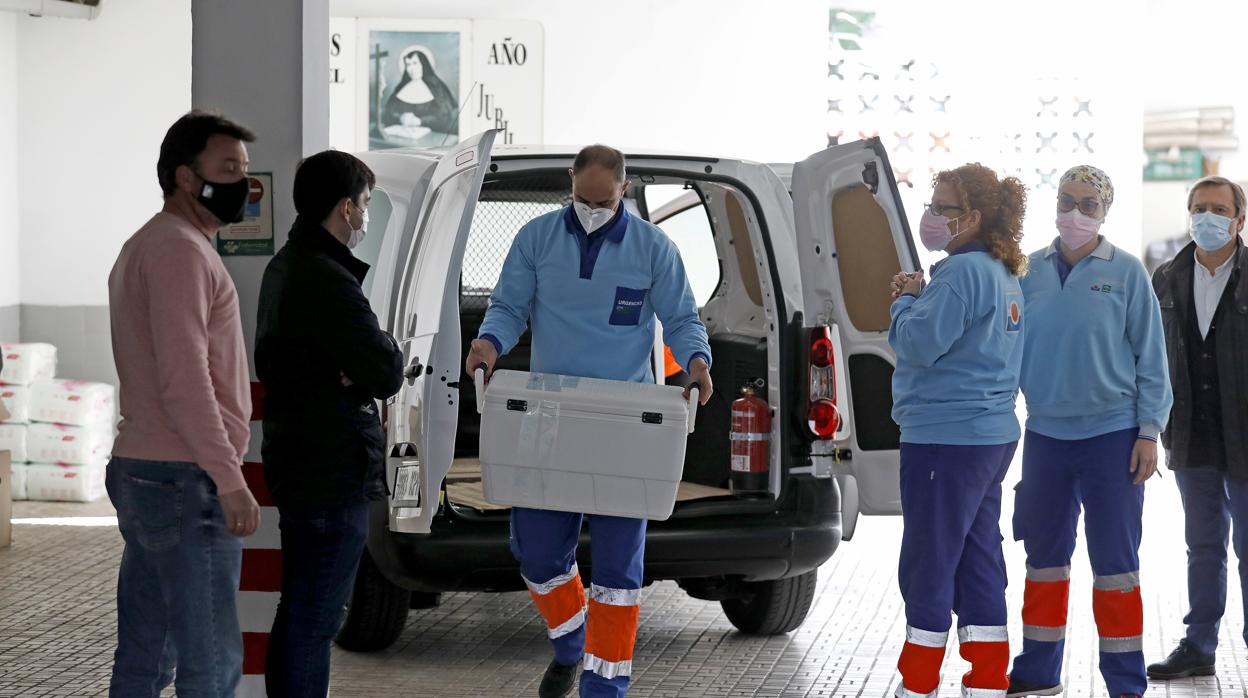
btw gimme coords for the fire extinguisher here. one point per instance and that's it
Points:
(751, 441)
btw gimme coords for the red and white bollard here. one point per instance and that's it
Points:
(260, 585)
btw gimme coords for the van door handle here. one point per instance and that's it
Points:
(413, 371)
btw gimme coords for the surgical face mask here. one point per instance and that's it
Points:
(226, 201)
(592, 218)
(357, 235)
(1210, 231)
(934, 231)
(1076, 229)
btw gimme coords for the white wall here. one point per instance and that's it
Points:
(96, 99)
(734, 78)
(9, 292)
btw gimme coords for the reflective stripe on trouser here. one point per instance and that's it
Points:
(987, 648)
(561, 601)
(1063, 479)
(613, 615)
(920, 662)
(1046, 598)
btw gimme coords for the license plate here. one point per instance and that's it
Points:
(407, 486)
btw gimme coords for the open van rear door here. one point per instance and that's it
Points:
(423, 416)
(853, 238)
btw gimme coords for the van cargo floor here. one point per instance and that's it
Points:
(463, 488)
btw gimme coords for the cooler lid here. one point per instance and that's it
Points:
(589, 394)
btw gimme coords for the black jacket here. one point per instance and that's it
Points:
(1173, 283)
(323, 441)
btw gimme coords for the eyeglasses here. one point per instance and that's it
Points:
(1087, 207)
(939, 209)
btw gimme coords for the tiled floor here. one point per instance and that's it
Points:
(57, 625)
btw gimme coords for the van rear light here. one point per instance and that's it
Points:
(823, 419)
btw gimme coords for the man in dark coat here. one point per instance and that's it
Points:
(324, 363)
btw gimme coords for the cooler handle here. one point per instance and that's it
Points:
(478, 379)
(694, 390)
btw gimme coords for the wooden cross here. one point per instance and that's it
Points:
(376, 55)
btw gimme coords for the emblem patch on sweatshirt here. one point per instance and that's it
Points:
(1105, 287)
(1013, 313)
(627, 307)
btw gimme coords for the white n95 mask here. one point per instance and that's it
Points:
(592, 218)
(357, 236)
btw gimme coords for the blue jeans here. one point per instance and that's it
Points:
(177, 584)
(1211, 501)
(321, 551)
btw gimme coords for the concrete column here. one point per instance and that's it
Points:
(266, 65)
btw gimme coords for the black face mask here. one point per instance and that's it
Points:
(225, 201)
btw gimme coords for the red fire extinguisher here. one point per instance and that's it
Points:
(751, 441)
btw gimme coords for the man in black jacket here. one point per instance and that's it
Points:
(1204, 310)
(324, 363)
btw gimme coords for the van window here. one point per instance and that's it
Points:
(501, 211)
(690, 228)
(379, 210)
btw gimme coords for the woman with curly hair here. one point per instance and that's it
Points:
(959, 347)
(1098, 394)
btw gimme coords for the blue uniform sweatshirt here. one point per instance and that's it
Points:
(1094, 358)
(592, 298)
(959, 351)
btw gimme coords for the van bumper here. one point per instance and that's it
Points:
(462, 554)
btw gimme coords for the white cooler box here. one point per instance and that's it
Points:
(18, 480)
(582, 444)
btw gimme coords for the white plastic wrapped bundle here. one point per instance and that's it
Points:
(18, 480)
(13, 438)
(65, 483)
(16, 399)
(61, 443)
(76, 403)
(26, 363)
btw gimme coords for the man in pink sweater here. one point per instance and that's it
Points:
(176, 474)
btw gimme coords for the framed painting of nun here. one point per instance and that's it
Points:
(418, 81)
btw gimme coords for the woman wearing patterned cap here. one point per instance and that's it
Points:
(1098, 394)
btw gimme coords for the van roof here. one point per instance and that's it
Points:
(563, 152)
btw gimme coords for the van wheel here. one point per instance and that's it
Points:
(376, 612)
(772, 608)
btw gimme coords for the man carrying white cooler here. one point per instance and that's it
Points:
(591, 279)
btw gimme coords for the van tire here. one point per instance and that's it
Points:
(772, 608)
(376, 612)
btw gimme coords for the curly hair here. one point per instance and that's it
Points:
(1001, 204)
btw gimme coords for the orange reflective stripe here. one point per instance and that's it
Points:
(562, 604)
(1044, 603)
(670, 366)
(611, 631)
(920, 667)
(989, 662)
(1118, 613)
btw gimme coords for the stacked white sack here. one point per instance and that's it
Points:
(26, 363)
(65, 483)
(16, 399)
(75, 403)
(61, 443)
(14, 438)
(18, 481)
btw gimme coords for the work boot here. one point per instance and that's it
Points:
(1184, 661)
(558, 681)
(1018, 689)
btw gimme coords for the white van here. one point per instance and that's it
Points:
(774, 273)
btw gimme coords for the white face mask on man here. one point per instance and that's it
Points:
(592, 218)
(357, 235)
